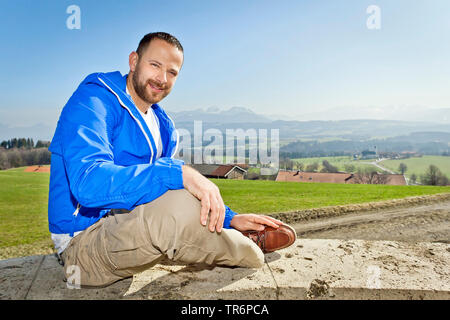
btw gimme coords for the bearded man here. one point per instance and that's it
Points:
(119, 202)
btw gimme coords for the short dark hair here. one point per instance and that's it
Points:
(158, 35)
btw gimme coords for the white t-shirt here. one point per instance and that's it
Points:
(153, 125)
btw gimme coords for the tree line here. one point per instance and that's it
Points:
(19, 152)
(26, 143)
(288, 164)
(333, 148)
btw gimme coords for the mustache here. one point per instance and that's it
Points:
(157, 84)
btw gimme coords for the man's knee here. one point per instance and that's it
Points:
(175, 207)
(181, 204)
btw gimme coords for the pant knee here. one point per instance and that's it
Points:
(171, 215)
(182, 207)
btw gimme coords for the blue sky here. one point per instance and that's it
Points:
(273, 57)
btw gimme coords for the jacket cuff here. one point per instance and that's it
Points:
(229, 214)
(174, 178)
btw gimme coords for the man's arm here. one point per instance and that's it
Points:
(95, 180)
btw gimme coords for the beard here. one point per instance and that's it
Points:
(144, 92)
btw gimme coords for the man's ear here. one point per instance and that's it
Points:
(132, 60)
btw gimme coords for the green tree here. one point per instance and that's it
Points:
(434, 177)
(300, 166)
(328, 167)
(42, 144)
(312, 167)
(348, 167)
(402, 168)
(4, 163)
(15, 158)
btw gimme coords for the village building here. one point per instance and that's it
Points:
(221, 171)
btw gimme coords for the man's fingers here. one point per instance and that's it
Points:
(206, 205)
(221, 217)
(270, 218)
(214, 213)
(209, 195)
(254, 226)
(267, 221)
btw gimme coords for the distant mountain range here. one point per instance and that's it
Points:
(363, 128)
(290, 130)
(215, 115)
(394, 113)
(403, 113)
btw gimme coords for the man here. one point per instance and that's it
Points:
(118, 200)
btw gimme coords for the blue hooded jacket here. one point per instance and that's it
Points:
(104, 156)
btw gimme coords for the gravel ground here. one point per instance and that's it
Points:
(418, 223)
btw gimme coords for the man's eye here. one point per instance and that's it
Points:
(154, 64)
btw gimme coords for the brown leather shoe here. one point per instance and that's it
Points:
(271, 239)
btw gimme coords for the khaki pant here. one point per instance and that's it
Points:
(122, 244)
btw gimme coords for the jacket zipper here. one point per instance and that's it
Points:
(75, 213)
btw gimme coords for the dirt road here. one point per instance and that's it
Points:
(427, 222)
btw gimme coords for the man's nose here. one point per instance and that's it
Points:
(161, 77)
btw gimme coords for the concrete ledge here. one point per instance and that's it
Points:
(310, 269)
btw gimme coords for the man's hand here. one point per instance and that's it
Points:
(246, 222)
(209, 195)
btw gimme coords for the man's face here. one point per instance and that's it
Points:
(156, 71)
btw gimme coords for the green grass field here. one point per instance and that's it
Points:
(256, 196)
(23, 207)
(419, 165)
(24, 197)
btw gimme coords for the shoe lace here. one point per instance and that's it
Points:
(257, 237)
